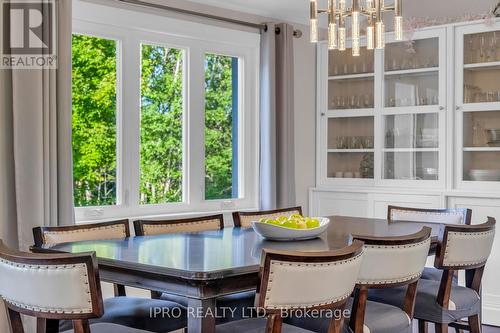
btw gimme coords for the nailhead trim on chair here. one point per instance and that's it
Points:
(178, 225)
(290, 306)
(49, 267)
(470, 234)
(77, 231)
(415, 212)
(400, 279)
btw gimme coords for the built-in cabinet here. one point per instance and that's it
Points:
(418, 125)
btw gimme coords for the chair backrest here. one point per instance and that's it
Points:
(389, 262)
(392, 261)
(445, 216)
(308, 280)
(49, 286)
(158, 227)
(244, 219)
(95, 231)
(463, 247)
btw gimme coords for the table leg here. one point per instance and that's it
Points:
(201, 314)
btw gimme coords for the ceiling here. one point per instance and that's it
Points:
(298, 10)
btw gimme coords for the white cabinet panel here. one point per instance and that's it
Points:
(481, 209)
(378, 202)
(339, 203)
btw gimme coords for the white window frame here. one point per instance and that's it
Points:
(196, 40)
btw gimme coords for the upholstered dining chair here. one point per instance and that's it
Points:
(172, 226)
(293, 282)
(94, 231)
(443, 216)
(387, 262)
(123, 310)
(461, 247)
(246, 300)
(244, 219)
(53, 287)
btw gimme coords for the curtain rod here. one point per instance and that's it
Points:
(260, 26)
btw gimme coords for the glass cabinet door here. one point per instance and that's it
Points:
(412, 73)
(411, 147)
(350, 80)
(350, 147)
(478, 107)
(481, 55)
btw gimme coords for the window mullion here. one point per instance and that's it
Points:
(195, 165)
(130, 122)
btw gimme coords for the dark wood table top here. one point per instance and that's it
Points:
(225, 253)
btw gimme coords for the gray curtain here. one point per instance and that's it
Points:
(277, 159)
(35, 142)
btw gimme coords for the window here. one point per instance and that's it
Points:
(221, 127)
(94, 121)
(164, 117)
(162, 86)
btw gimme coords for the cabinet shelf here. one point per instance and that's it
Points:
(410, 150)
(351, 150)
(351, 76)
(482, 65)
(412, 71)
(493, 149)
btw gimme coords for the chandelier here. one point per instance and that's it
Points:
(375, 31)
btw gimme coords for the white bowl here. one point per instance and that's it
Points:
(278, 233)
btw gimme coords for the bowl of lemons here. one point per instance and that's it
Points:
(290, 228)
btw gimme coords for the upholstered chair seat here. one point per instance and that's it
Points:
(136, 313)
(292, 281)
(388, 262)
(255, 325)
(434, 274)
(461, 247)
(464, 302)
(379, 318)
(110, 328)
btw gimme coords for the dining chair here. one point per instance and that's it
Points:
(244, 219)
(461, 247)
(443, 216)
(245, 301)
(53, 287)
(172, 226)
(121, 309)
(47, 236)
(387, 262)
(293, 282)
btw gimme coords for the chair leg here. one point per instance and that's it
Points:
(422, 326)
(15, 321)
(441, 328)
(274, 324)
(475, 324)
(81, 326)
(336, 325)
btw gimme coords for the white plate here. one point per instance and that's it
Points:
(275, 232)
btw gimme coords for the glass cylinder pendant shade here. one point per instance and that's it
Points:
(314, 21)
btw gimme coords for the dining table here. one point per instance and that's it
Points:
(206, 265)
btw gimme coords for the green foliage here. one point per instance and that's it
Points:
(161, 124)
(162, 81)
(94, 121)
(218, 127)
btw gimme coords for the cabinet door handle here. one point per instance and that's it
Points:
(441, 108)
(457, 108)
